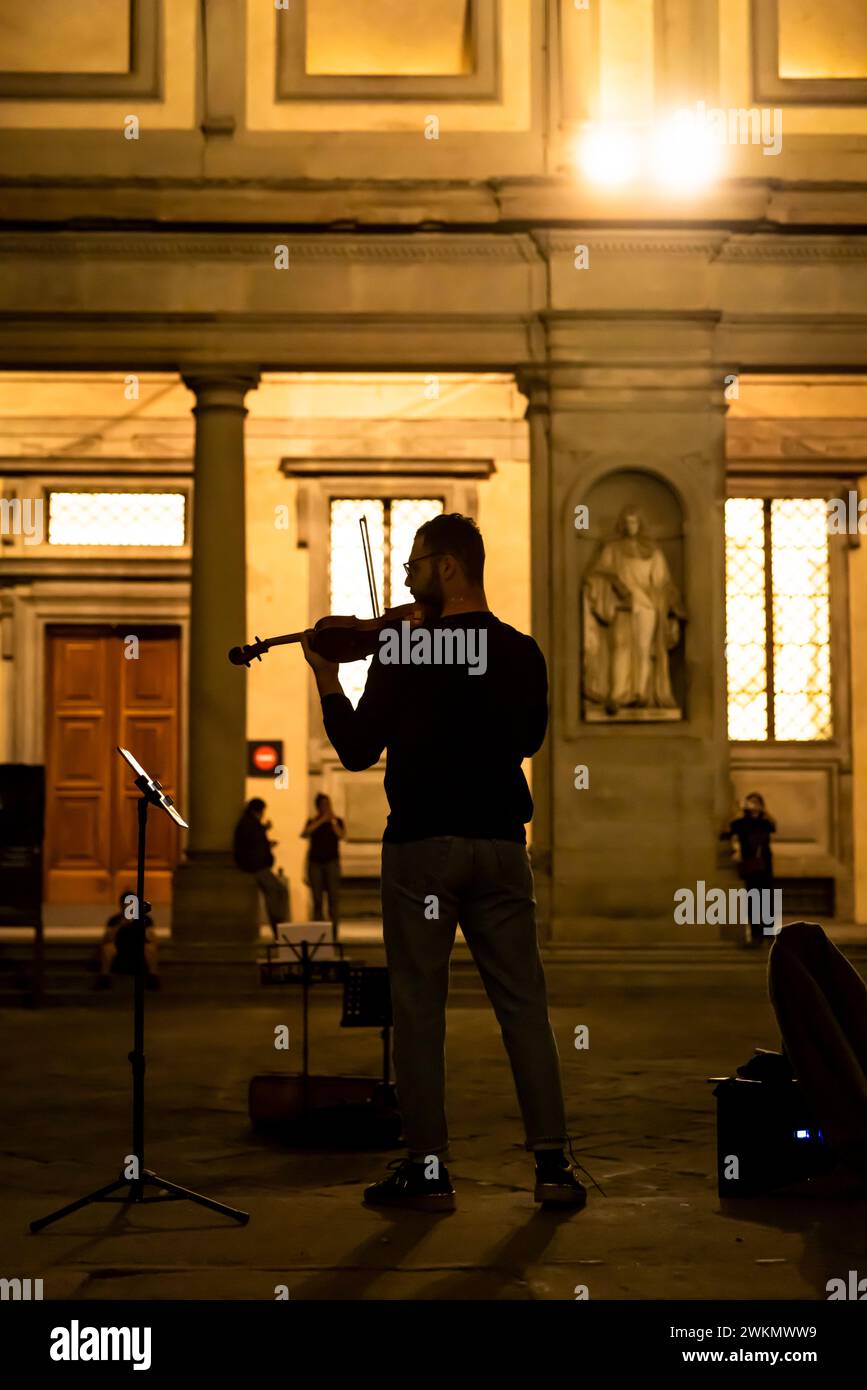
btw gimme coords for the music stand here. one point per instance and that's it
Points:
(367, 1004)
(152, 794)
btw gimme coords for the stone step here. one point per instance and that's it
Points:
(70, 969)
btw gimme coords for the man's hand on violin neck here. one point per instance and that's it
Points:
(327, 673)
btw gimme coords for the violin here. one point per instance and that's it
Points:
(335, 638)
(341, 638)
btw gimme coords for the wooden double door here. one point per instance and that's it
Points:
(105, 689)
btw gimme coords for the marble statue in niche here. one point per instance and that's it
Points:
(632, 621)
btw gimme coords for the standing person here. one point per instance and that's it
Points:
(252, 851)
(753, 830)
(325, 831)
(454, 850)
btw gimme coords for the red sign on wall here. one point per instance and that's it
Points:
(263, 756)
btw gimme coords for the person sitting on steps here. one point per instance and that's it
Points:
(117, 950)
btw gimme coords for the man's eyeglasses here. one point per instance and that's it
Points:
(409, 565)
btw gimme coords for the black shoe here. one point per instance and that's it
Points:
(153, 982)
(408, 1187)
(102, 982)
(557, 1183)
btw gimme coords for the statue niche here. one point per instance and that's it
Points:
(632, 615)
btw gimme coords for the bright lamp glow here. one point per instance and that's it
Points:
(609, 155)
(685, 155)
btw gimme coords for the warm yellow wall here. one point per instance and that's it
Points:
(626, 87)
(277, 686)
(176, 110)
(800, 397)
(511, 113)
(5, 710)
(277, 601)
(736, 86)
(504, 520)
(331, 414)
(858, 659)
(337, 415)
(55, 36)
(823, 38)
(390, 37)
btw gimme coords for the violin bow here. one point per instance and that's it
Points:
(368, 560)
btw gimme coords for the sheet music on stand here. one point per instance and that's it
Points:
(317, 935)
(303, 948)
(152, 788)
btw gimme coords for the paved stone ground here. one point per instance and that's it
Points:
(640, 1109)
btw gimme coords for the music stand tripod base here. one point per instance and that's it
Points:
(151, 795)
(174, 1191)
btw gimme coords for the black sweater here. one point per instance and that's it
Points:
(250, 846)
(455, 741)
(754, 835)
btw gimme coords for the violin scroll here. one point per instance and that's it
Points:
(242, 656)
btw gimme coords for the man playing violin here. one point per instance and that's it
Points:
(454, 852)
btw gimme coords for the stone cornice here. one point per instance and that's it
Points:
(399, 466)
(764, 247)
(714, 246)
(822, 317)
(420, 248)
(151, 466)
(637, 315)
(412, 248)
(606, 242)
(433, 248)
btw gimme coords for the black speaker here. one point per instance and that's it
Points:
(771, 1130)
(22, 829)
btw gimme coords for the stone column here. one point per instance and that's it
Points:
(215, 905)
(635, 397)
(533, 382)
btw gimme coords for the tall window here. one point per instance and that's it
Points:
(778, 653)
(392, 523)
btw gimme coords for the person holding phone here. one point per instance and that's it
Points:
(752, 831)
(325, 830)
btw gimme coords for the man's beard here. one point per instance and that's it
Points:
(432, 597)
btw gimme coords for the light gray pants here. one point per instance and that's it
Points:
(428, 887)
(325, 878)
(275, 895)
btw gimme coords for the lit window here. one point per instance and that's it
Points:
(391, 524)
(406, 515)
(746, 647)
(778, 619)
(116, 518)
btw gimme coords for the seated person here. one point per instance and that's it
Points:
(820, 1002)
(117, 950)
(252, 848)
